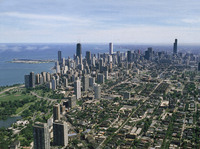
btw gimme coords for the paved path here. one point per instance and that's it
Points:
(8, 89)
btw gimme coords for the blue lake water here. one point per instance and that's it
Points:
(13, 73)
(7, 123)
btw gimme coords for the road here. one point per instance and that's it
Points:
(11, 88)
(101, 144)
(45, 98)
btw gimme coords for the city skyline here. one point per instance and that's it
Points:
(106, 21)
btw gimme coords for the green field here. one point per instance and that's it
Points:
(12, 97)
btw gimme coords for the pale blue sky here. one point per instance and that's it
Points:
(119, 21)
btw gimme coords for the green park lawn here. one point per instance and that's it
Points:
(12, 97)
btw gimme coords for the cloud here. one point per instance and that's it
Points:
(30, 48)
(15, 48)
(191, 21)
(44, 48)
(46, 17)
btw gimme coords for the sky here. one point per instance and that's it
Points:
(100, 21)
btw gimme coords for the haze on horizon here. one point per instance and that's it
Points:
(139, 22)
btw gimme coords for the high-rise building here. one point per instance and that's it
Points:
(100, 78)
(199, 66)
(65, 82)
(129, 56)
(29, 80)
(91, 81)
(60, 133)
(54, 84)
(59, 57)
(44, 77)
(88, 57)
(106, 75)
(56, 112)
(26, 80)
(97, 91)
(149, 53)
(37, 78)
(111, 48)
(110, 59)
(85, 82)
(41, 136)
(78, 50)
(48, 77)
(101, 65)
(72, 101)
(175, 50)
(77, 89)
(32, 80)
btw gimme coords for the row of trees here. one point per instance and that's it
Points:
(9, 107)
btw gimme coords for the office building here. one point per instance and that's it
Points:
(77, 89)
(78, 51)
(41, 136)
(91, 81)
(56, 112)
(97, 91)
(111, 48)
(106, 75)
(54, 84)
(199, 66)
(72, 101)
(85, 82)
(59, 57)
(88, 57)
(65, 82)
(175, 50)
(60, 133)
(129, 56)
(100, 78)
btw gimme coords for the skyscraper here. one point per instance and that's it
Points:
(97, 91)
(41, 136)
(129, 55)
(100, 78)
(60, 133)
(77, 89)
(29, 80)
(56, 112)
(88, 57)
(78, 50)
(85, 83)
(175, 50)
(199, 66)
(59, 57)
(26, 80)
(32, 79)
(54, 84)
(110, 48)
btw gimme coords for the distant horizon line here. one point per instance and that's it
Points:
(104, 43)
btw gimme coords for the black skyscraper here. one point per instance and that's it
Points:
(175, 47)
(129, 54)
(78, 50)
(199, 66)
(59, 57)
(32, 79)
